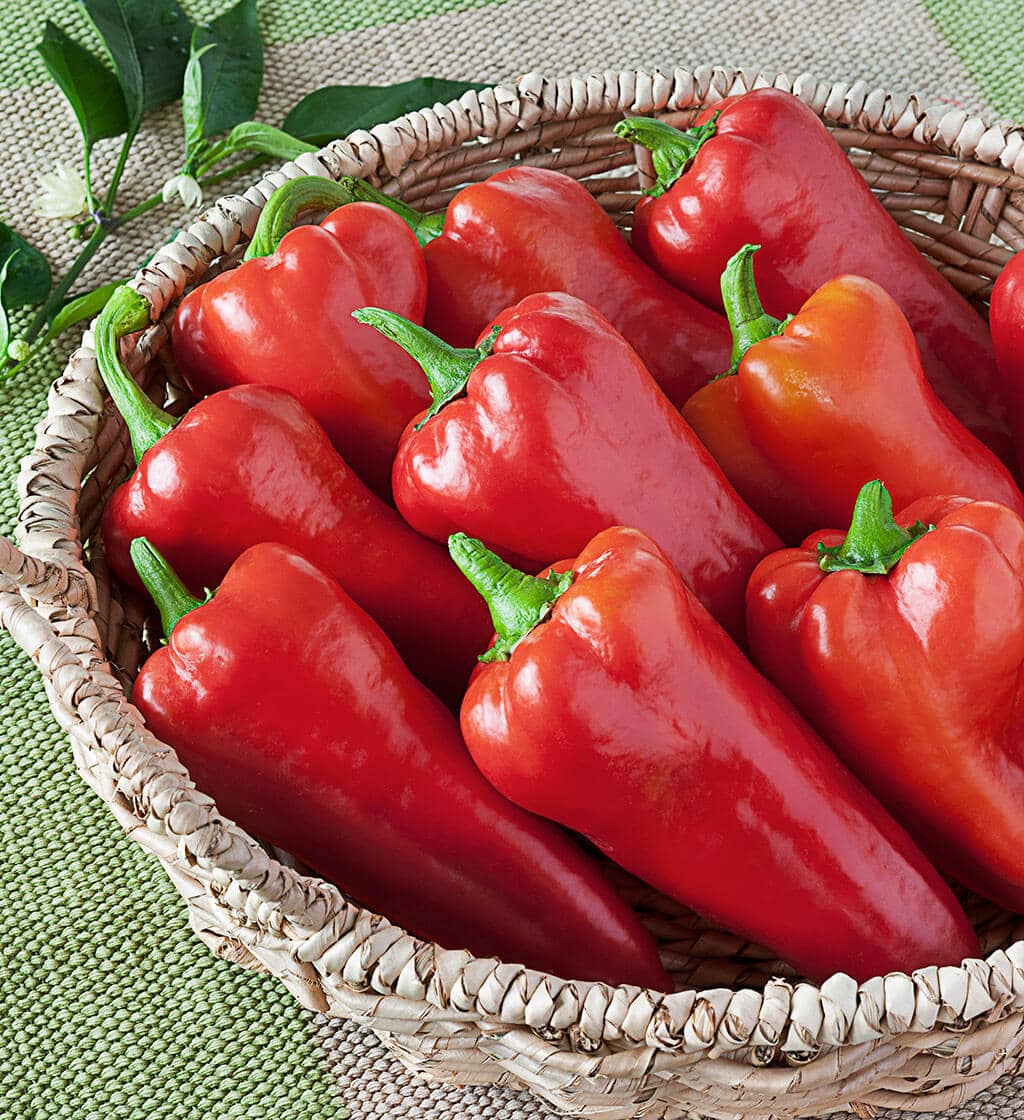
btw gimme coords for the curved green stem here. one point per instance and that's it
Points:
(127, 311)
(671, 149)
(309, 192)
(447, 368)
(173, 599)
(425, 226)
(517, 601)
(748, 320)
(874, 542)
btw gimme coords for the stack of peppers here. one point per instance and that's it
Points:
(478, 538)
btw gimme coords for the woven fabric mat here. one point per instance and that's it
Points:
(111, 1010)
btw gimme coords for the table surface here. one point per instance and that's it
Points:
(110, 1008)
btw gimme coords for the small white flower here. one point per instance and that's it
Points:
(186, 187)
(63, 193)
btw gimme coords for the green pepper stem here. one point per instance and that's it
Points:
(671, 149)
(425, 226)
(447, 368)
(874, 542)
(308, 192)
(748, 320)
(173, 599)
(127, 311)
(517, 601)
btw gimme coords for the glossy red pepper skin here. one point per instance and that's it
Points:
(527, 230)
(250, 464)
(292, 710)
(772, 175)
(700, 777)
(285, 320)
(563, 432)
(1006, 319)
(915, 678)
(840, 397)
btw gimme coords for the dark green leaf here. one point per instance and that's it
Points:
(251, 136)
(80, 307)
(91, 89)
(148, 43)
(5, 324)
(335, 111)
(232, 71)
(28, 279)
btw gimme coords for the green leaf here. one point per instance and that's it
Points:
(252, 136)
(5, 324)
(28, 279)
(148, 43)
(91, 89)
(80, 307)
(325, 114)
(193, 112)
(232, 70)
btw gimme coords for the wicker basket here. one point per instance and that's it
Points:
(741, 1037)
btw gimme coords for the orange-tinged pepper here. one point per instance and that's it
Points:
(834, 395)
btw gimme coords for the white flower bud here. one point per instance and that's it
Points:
(187, 189)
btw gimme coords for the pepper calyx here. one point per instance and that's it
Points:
(874, 542)
(518, 602)
(173, 599)
(748, 320)
(672, 149)
(447, 368)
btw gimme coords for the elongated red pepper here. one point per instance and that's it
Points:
(697, 775)
(528, 230)
(250, 464)
(284, 318)
(903, 642)
(1006, 318)
(762, 169)
(560, 433)
(831, 397)
(291, 708)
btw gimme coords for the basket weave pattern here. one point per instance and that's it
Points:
(741, 1037)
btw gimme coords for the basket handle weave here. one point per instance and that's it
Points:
(44, 581)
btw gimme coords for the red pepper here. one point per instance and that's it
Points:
(528, 230)
(292, 710)
(561, 432)
(1006, 318)
(285, 319)
(904, 644)
(250, 464)
(762, 169)
(616, 706)
(831, 397)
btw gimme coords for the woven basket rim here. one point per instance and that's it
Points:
(48, 600)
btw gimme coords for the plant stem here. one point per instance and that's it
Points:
(122, 159)
(89, 197)
(61, 290)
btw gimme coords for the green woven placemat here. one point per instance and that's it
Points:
(111, 1010)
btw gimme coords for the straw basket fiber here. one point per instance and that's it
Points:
(742, 1036)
